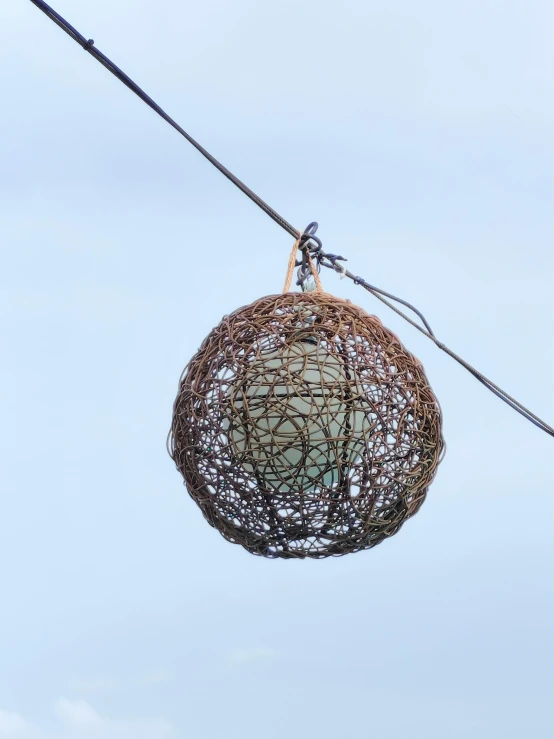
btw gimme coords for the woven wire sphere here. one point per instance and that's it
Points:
(303, 428)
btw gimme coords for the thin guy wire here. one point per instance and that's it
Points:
(489, 384)
(88, 45)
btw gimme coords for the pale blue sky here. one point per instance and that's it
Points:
(420, 136)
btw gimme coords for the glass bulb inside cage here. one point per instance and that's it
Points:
(291, 418)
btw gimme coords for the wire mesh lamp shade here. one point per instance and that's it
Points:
(303, 428)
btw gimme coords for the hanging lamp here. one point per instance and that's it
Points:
(303, 428)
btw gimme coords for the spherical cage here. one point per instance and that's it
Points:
(303, 428)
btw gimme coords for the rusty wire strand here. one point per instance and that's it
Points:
(310, 243)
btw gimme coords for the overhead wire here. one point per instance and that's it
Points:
(309, 244)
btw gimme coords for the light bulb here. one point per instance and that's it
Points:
(291, 419)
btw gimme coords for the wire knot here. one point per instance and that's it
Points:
(310, 265)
